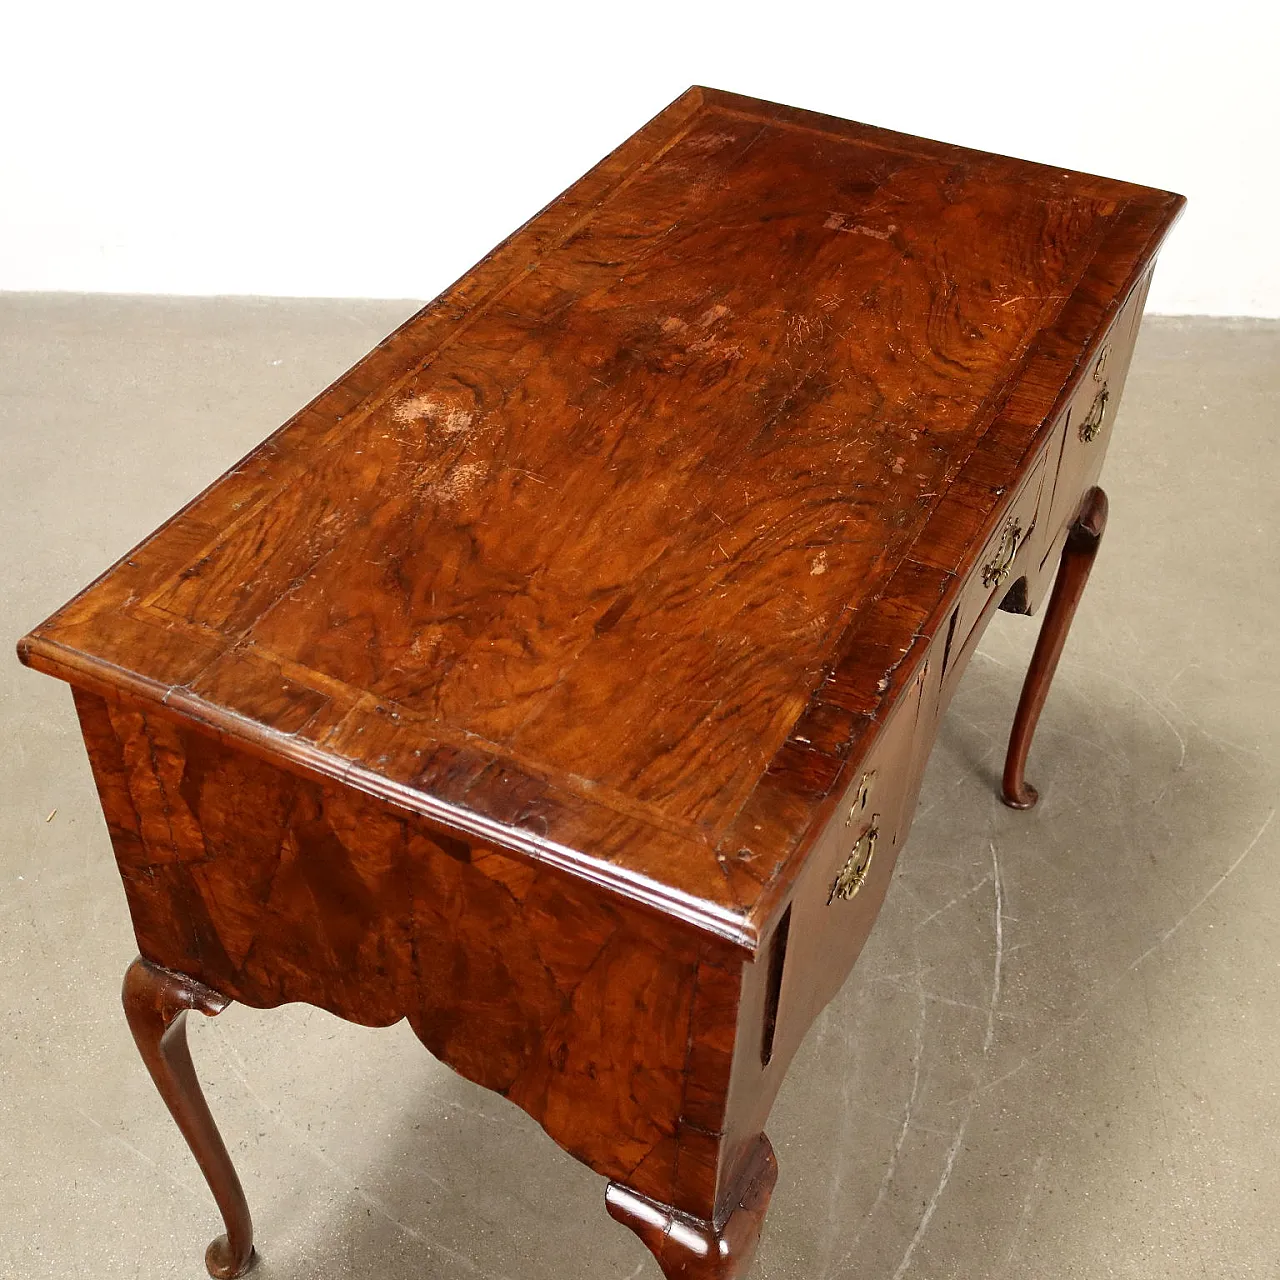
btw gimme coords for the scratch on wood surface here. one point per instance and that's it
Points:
(459, 482)
(451, 420)
(836, 222)
(710, 141)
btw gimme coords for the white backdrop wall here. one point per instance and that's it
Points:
(378, 149)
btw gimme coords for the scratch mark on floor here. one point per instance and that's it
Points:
(45, 1069)
(899, 1141)
(844, 1142)
(141, 1155)
(1142, 697)
(960, 897)
(234, 1060)
(1024, 1214)
(1092, 1004)
(1162, 1101)
(954, 1150)
(934, 998)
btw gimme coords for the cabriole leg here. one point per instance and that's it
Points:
(156, 1003)
(1077, 560)
(690, 1248)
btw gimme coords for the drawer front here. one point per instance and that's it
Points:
(849, 870)
(1004, 558)
(1085, 430)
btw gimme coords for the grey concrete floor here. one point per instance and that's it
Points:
(1058, 1056)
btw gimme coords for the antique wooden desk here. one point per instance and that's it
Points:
(561, 679)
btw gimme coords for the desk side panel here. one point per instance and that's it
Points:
(610, 1025)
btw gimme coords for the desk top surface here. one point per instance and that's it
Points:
(570, 559)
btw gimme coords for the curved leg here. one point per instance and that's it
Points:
(156, 1003)
(1077, 559)
(691, 1248)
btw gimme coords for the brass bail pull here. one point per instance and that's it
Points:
(996, 570)
(853, 874)
(1092, 424)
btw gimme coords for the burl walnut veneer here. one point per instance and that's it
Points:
(561, 678)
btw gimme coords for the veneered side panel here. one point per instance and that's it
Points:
(271, 887)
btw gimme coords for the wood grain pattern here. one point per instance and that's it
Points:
(640, 471)
(608, 1027)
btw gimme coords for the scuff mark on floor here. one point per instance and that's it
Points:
(971, 1101)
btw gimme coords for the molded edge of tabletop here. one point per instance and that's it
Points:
(82, 671)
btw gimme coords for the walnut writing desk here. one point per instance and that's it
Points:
(561, 679)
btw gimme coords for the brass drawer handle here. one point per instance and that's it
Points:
(996, 570)
(854, 872)
(1092, 424)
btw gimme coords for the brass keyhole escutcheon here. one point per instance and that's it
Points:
(1100, 365)
(860, 800)
(1092, 424)
(853, 874)
(996, 570)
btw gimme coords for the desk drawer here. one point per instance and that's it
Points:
(849, 869)
(1085, 430)
(1003, 558)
